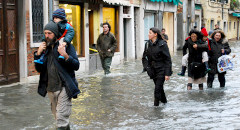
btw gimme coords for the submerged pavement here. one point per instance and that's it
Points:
(124, 100)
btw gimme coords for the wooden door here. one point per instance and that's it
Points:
(9, 57)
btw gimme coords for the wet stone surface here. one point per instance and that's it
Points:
(124, 100)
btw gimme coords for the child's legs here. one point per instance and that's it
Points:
(204, 56)
(185, 60)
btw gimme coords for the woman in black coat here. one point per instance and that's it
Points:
(219, 46)
(196, 68)
(157, 62)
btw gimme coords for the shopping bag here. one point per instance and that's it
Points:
(225, 63)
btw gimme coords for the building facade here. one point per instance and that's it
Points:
(130, 21)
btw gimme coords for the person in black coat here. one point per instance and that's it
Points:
(219, 46)
(196, 68)
(57, 77)
(157, 62)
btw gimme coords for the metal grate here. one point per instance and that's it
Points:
(37, 20)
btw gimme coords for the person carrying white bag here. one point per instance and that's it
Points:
(218, 47)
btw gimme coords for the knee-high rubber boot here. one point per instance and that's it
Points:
(182, 73)
(207, 67)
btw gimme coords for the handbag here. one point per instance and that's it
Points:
(195, 66)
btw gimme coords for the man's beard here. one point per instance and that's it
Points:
(50, 42)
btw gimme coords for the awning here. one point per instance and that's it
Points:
(175, 2)
(117, 2)
(236, 14)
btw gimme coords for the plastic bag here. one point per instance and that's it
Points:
(224, 63)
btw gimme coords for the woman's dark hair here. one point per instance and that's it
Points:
(156, 30)
(199, 34)
(107, 25)
(215, 32)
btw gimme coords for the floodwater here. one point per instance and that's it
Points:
(124, 100)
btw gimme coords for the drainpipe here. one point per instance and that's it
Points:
(193, 13)
(184, 34)
(238, 29)
(50, 9)
(222, 10)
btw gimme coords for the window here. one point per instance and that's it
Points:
(225, 26)
(38, 17)
(230, 26)
(234, 26)
(37, 20)
(218, 23)
(212, 25)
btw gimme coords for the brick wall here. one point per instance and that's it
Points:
(30, 57)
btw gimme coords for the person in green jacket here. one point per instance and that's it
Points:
(106, 46)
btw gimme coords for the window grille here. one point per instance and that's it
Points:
(37, 20)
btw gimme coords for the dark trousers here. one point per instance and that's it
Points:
(106, 63)
(221, 79)
(159, 93)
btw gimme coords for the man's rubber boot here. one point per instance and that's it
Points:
(182, 73)
(64, 128)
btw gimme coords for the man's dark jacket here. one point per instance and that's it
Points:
(66, 70)
(105, 42)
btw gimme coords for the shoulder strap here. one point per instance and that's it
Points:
(146, 46)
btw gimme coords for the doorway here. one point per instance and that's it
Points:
(9, 53)
(168, 24)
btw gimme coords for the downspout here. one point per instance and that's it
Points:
(238, 29)
(50, 9)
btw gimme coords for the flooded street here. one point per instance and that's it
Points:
(124, 100)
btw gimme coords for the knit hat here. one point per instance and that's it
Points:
(204, 32)
(53, 27)
(59, 13)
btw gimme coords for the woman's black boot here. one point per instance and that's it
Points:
(156, 102)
